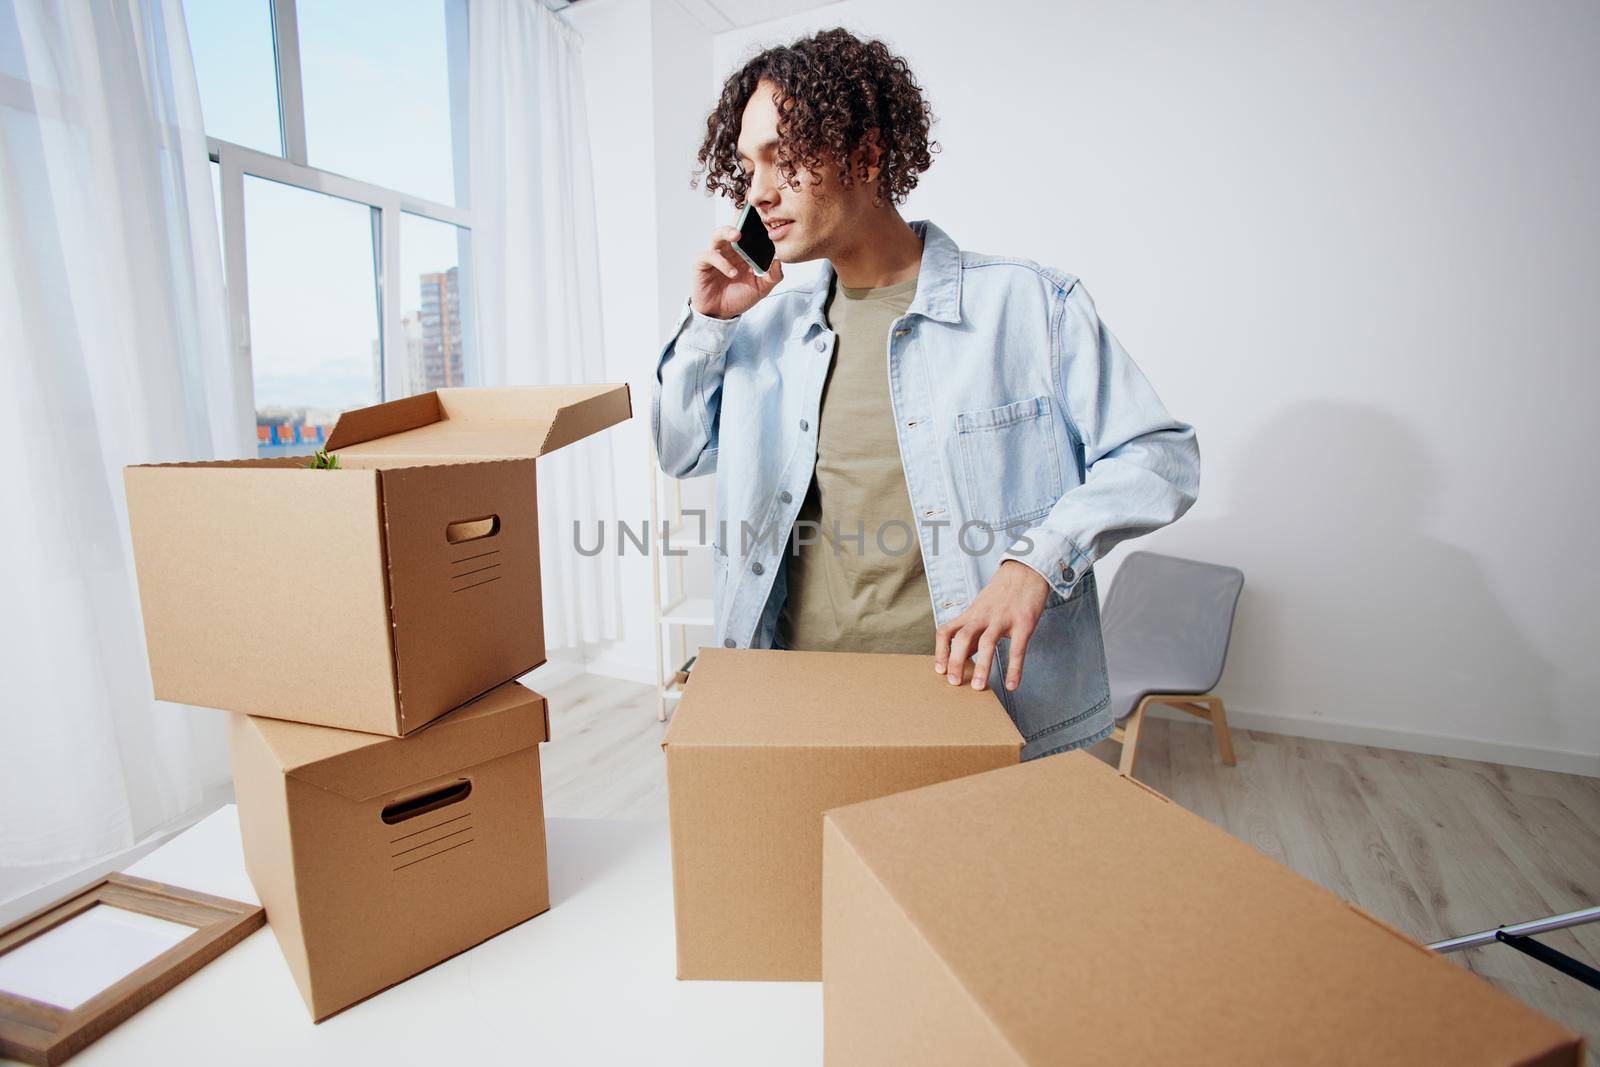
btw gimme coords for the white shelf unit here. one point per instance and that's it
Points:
(677, 608)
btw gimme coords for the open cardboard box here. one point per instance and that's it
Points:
(1058, 912)
(376, 857)
(373, 597)
(762, 743)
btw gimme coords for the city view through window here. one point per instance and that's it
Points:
(378, 89)
(433, 347)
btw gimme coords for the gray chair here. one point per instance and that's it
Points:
(1167, 622)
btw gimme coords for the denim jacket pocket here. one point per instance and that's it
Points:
(1010, 462)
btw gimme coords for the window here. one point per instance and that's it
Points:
(308, 367)
(377, 92)
(338, 130)
(233, 61)
(434, 254)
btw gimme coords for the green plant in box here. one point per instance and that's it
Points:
(324, 461)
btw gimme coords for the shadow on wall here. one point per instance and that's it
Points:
(1350, 611)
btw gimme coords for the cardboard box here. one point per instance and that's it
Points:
(375, 597)
(761, 744)
(1057, 912)
(377, 858)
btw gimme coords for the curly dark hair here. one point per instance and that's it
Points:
(832, 89)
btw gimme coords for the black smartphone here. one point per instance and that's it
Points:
(753, 245)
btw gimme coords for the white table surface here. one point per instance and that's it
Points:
(589, 981)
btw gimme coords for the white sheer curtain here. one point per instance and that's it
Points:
(535, 257)
(112, 351)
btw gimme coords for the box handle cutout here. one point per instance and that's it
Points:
(433, 800)
(472, 529)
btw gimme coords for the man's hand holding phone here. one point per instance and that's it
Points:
(724, 284)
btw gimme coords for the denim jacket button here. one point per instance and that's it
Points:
(822, 344)
(804, 426)
(786, 496)
(729, 643)
(1066, 574)
(757, 568)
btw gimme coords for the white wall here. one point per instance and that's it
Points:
(683, 58)
(1354, 246)
(645, 65)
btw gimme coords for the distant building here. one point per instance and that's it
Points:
(416, 372)
(286, 431)
(442, 360)
(411, 336)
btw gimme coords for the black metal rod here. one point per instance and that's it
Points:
(1551, 958)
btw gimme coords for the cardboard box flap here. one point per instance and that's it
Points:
(1058, 882)
(507, 719)
(464, 424)
(766, 697)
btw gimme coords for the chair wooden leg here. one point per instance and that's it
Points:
(1219, 726)
(1130, 739)
(1208, 708)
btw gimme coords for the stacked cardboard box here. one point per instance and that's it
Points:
(1057, 912)
(365, 624)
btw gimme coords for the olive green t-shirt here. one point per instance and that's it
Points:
(858, 585)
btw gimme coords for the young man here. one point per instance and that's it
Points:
(926, 450)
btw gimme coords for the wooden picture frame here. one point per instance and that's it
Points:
(47, 1034)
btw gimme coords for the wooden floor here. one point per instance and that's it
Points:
(1436, 847)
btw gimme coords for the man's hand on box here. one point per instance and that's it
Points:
(1009, 606)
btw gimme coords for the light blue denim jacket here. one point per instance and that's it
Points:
(1022, 424)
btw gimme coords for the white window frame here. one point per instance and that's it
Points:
(387, 205)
